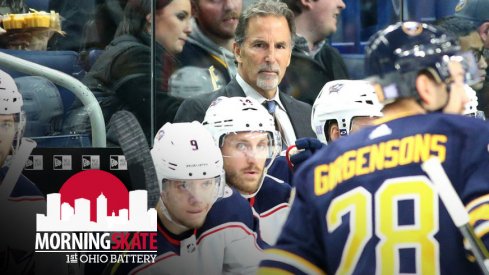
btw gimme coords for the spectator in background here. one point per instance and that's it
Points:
(262, 48)
(211, 42)
(75, 14)
(87, 24)
(477, 11)
(470, 40)
(121, 76)
(314, 61)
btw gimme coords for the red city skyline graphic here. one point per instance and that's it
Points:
(89, 185)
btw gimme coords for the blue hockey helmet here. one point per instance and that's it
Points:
(397, 54)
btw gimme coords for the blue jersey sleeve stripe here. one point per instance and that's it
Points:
(292, 259)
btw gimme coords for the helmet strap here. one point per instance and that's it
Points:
(161, 208)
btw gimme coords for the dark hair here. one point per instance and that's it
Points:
(263, 8)
(294, 5)
(456, 26)
(135, 12)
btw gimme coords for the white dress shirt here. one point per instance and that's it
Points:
(288, 134)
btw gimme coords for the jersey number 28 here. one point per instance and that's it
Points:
(392, 235)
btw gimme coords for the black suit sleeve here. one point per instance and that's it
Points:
(191, 109)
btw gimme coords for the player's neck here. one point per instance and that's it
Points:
(403, 106)
(169, 225)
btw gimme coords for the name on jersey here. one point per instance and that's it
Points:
(376, 157)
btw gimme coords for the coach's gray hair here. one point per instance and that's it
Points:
(263, 8)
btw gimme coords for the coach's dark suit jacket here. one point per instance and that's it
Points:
(299, 112)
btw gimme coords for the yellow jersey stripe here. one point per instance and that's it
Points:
(477, 201)
(479, 213)
(218, 59)
(272, 271)
(293, 260)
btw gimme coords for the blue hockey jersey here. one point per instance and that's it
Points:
(18, 215)
(271, 205)
(280, 170)
(227, 243)
(365, 206)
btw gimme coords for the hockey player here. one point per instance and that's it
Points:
(203, 228)
(342, 107)
(364, 205)
(245, 132)
(20, 199)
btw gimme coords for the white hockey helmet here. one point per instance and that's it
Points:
(185, 151)
(341, 101)
(11, 104)
(190, 81)
(471, 106)
(227, 115)
(188, 162)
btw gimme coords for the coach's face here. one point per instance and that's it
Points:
(265, 53)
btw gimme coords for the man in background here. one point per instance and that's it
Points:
(210, 45)
(314, 62)
(263, 46)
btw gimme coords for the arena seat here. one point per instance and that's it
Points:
(355, 64)
(39, 5)
(64, 61)
(40, 94)
(66, 72)
(42, 105)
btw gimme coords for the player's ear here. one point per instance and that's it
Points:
(307, 4)
(484, 31)
(426, 86)
(237, 52)
(334, 132)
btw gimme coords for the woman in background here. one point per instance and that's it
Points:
(121, 76)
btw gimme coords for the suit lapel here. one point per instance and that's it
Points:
(294, 114)
(233, 89)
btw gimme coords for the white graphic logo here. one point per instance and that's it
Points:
(63, 217)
